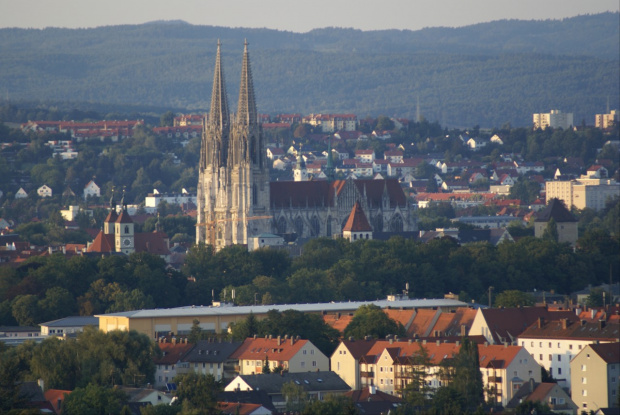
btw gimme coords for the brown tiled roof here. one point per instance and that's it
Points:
(337, 322)
(505, 324)
(404, 317)
(54, 396)
(357, 221)
(172, 353)
(609, 352)
(359, 348)
(567, 329)
(102, 243)
(449, 324)
(364, 395)
(259, 348)
(236, 408)
(421, 323)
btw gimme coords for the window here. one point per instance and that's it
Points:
(314, 363)
(584, 380)
(559, 358)
(584, 392)
(312, 351)
(558, 345)
(550, 345)
(540, 357)
(559, 371)
(305, 351)
(550, 357)
(570, 347)
(584, 368)
(303, 364)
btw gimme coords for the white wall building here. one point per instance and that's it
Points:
(553, 119)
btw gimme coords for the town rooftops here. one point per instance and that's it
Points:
(345, 306)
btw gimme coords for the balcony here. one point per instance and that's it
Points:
(367, 374)
(495, 379)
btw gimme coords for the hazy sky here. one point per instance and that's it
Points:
(290, 15)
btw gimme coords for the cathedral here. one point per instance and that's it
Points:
(237, 202)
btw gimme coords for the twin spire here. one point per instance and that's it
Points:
(246, 108)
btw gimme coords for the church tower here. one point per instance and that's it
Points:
(233, 184)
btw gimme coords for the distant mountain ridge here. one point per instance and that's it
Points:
(485, 74)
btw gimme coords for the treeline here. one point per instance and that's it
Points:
(485, 74)
(50, 287)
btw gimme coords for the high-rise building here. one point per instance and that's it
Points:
(553, 119)
(606, 120)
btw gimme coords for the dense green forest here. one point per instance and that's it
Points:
(487, 74)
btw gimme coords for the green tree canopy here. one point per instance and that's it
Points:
(370, 320)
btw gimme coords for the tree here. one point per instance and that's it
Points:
(514, 298)
(266, 367)
(295, 396)
(528, 407)
(370, 320)
(93, 400)
(467, 376)
(551, 231)
(415, 394)
(26, 310)
(167, 119)
(384, 123)
(333, 404)
(198, 393)
(195, 332)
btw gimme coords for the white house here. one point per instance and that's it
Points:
(92, 190)
(21, 194)
(44, 191)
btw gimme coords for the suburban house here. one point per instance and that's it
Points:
(504, 325)
(317, 385)
(292, 354)
(595, 373)
(389, 364)
(44, 191)
(211, 357)
(91, 190)
(554, 343)
(167, 365)
(546, 393)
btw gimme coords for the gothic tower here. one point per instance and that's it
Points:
(233, 184)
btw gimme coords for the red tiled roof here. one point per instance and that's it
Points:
(172, 353)
(237, 408)
(56, 396)
(337, 322)
(259, 348)
(357, 221)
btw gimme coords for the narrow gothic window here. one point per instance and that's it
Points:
(281, 225)
(315, 226)
(299, 226)
(378, 222)
(396, 224)
(126, 229)
(254, 194)
(329, 226)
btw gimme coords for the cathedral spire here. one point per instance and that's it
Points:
(218, 115)
(219, 122)
(246, 110)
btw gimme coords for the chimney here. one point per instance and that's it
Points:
(592, 313)
(540, 322)
(564, 323)
(438, 342)
(279, 340)
(391, 340)
(372, 389)
(292, 341)
(463, 330)
(41, 384)
(531, 385)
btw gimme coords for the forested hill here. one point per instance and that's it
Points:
(486, 74)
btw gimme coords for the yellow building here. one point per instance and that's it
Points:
(216, 319)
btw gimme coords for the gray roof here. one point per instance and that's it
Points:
(311, 381)
(209, 351)
(76, 321)
(197, 311)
